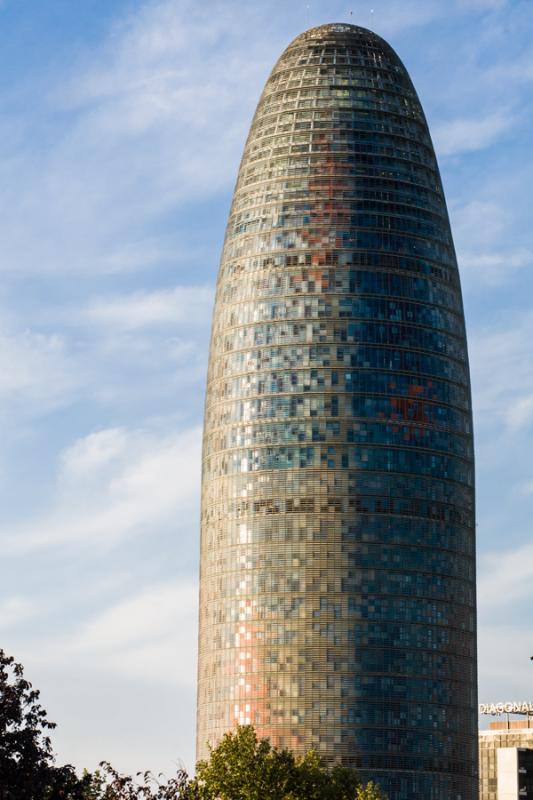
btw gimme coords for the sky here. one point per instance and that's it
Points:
(121, 130)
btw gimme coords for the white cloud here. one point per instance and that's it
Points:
(503, 403)
(152, 118)
(481, 232)
(149, 636)
(520, 413)
(90, 453)
(479, 222)
(520, 71)
(466, 135)
(142, 482)
(505, 577)
(182, 304)
(504, 665)
(36, 372)
(136, 662)
(392, 18)
(14, 610)
(493, 268)
(128, 256)
(481, 5)
(138, 338)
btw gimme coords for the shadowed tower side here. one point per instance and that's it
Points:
(337, 586)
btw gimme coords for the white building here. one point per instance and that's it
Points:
(506, 761)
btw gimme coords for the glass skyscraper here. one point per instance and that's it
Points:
(337, 600)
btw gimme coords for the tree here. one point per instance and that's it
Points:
(317, 782)
(243, 767)
(240, 767)
(369, 792)
(26, 756)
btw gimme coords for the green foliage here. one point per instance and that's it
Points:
(243, 767)
(369, 792)
(317, 782)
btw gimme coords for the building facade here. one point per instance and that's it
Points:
(506, 761)
(337, 599)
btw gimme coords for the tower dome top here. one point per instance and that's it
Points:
(337, 30)
(344, 34)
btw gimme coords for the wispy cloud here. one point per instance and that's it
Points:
(37, 374)
(15, 610)
(481, 232)
(148, 636)
(481, 5)
(181, 304)
(392, 18)
(506, 577)
(135, 655)
(90, 454)
(515, 70)
(119, 484)
(493, 268)
(466, 135)
(503, 653)
(520, 413)
(527, 488)
(479, 223)
(504, 350)
(134, 139)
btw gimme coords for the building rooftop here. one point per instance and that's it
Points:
(508, 725)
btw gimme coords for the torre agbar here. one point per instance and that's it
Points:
(337, 599)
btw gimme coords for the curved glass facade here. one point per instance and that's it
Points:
(337, 601)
